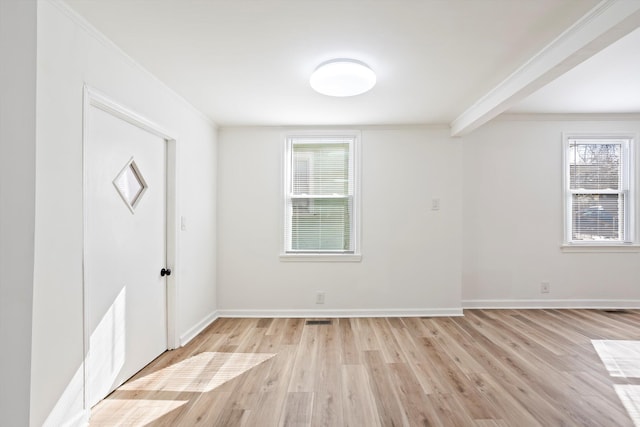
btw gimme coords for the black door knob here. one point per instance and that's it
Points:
(165, 272)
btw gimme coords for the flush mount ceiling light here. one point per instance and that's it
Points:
(342, 77)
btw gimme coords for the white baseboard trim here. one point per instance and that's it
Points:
(409, 312)
(198, 327)
(550, 303)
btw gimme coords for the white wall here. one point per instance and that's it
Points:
(410, 254)
(70, 55)
(513, 222)
(497, 237)
(17, 204)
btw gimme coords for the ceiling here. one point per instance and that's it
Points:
(248, 62)
(608, 82)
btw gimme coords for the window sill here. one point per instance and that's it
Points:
(320, 257)
(600, 248)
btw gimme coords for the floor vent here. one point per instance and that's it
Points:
(318, 322)
(616, 311)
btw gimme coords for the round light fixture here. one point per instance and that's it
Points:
(342, 77)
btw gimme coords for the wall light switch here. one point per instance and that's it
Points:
(183, 223)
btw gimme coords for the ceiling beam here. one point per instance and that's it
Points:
(606, 23)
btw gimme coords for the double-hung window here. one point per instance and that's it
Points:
(321, 197)
(599, 199)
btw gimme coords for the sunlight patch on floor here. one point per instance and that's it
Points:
(200, 373)
(621, 358)
(630, 397)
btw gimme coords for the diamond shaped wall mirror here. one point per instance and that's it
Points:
(130, 185)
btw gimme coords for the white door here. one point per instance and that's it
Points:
(125, 250)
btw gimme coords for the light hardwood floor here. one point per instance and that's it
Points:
(488, 368)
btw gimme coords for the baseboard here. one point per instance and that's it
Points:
(198, 327)
(550, 303)
(409, 312)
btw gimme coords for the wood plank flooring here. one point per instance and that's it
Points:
(489, 368)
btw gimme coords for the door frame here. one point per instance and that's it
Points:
(94, 98)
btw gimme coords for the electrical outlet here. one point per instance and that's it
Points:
(545, 288)
(435, 204)
(319, 297)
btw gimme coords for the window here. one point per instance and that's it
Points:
(321, 208)
(130, 185)
(598, 189)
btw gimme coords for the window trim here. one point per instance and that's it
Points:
(308, 256)
(630, 242)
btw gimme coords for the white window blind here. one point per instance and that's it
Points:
(320, 195)
(597, 192)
